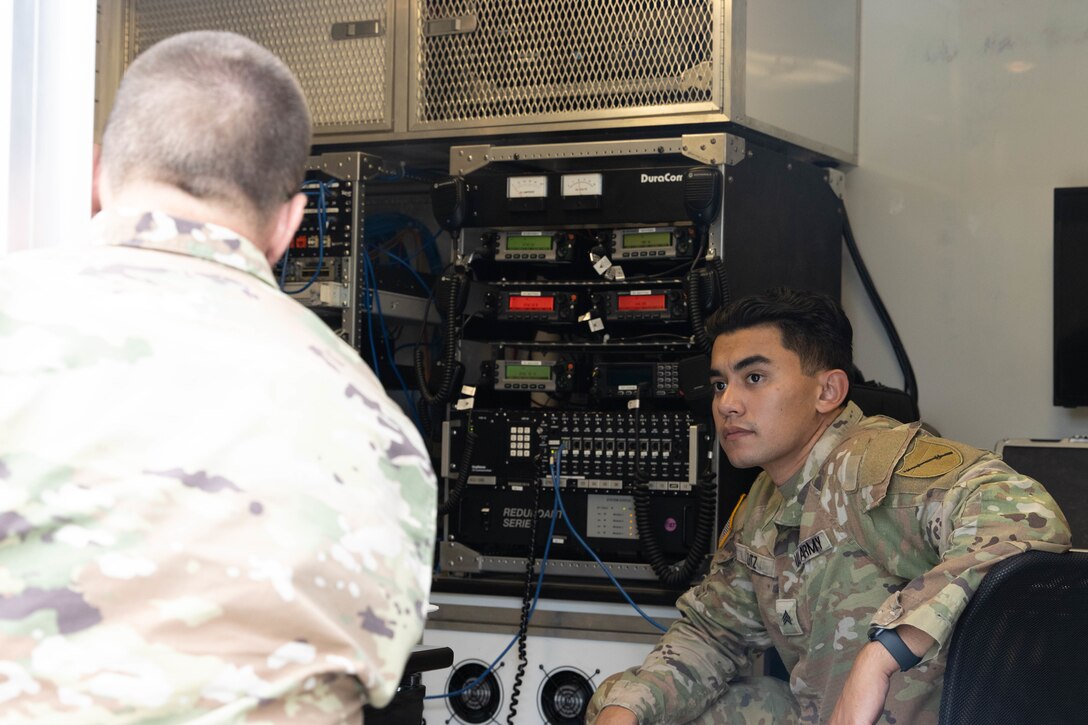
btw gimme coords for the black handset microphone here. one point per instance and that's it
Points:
(703, 195)
(449, 204)
(702, 202)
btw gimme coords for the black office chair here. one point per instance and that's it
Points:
(1019, 653)
(407, 705)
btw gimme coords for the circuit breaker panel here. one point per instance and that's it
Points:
(585, 275)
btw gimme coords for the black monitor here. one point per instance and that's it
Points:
(1062, 467)
(1071, 296)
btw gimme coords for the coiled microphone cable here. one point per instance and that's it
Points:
(463, 472)
(526, 603)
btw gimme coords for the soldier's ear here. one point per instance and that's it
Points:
(96, 172)
(283, 226)
(834, 385)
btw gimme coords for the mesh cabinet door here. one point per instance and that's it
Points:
(341, 50)
(478, 63)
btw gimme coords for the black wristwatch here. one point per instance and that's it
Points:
(895, 645)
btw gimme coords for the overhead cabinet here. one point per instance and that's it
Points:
(386, 70)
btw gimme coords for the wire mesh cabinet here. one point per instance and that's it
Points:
(785, 68)
(398, 70)
(510, 62)
(341, 50)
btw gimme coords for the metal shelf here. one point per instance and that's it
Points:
(584, 283)
(401, 307)
(615, 345)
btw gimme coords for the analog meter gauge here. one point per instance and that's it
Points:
(582, 184)
(526, 187)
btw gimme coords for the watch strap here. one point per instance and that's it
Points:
(895, 645)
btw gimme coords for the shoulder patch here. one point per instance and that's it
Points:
(879, 452)
(929, 459)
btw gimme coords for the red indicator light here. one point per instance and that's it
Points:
(632, 303)
(531, 304)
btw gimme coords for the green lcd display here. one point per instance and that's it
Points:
(640, 240)
(533, 243)
(528, 372)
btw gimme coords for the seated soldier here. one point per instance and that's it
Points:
(860, 542)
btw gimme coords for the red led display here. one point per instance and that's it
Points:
(632, 303)
(531, 304)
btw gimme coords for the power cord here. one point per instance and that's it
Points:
(910, 384)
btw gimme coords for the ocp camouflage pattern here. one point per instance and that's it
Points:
(209, 509)
(884, 525)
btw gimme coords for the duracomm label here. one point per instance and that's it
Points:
(660, 178)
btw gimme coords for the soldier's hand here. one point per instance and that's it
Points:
(613, 715)
(866, 688)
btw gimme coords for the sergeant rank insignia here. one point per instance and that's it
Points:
(787, 617)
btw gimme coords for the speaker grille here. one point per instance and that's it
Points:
(347, 83)
(539, 58)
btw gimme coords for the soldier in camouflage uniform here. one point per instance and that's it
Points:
(209, 509)
(856, 526)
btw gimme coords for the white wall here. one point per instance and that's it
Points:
(7, 18)
(972, 111)
(47, 82)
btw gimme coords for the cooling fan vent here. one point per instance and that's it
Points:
(564, 696)
(482, 702)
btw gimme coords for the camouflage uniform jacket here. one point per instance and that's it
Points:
(209, 509)
(883, 525)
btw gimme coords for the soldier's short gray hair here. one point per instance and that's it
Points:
(215, 115)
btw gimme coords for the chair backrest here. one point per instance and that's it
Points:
(1019, 653)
